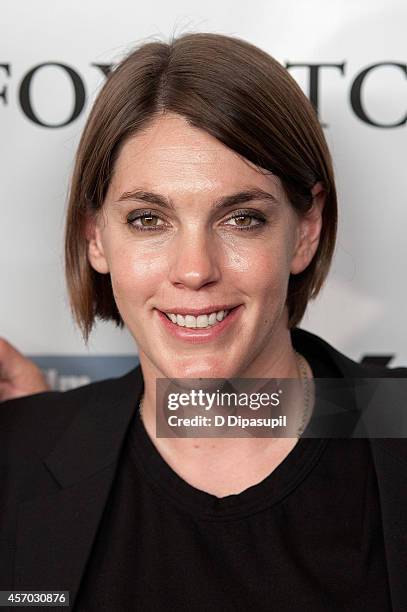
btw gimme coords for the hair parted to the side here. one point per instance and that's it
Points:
(232, 90)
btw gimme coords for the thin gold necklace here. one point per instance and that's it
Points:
(307, 392)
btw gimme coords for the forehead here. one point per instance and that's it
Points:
(173, 156)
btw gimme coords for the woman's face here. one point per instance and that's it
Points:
(189, 226)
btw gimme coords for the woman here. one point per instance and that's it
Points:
(202, 215)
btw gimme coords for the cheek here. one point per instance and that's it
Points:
(262, 267)
(136, 273)
(237, 256)
(270, 281)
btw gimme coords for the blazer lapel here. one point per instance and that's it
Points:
(55, 535)
(389, 456)
(389, 453)
(55, 532)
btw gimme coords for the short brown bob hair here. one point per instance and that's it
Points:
(235, 92)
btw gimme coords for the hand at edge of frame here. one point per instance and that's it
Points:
(19, 376)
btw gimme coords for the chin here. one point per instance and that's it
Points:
(202, 369)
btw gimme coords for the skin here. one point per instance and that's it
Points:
(19, 376)
(200, 257)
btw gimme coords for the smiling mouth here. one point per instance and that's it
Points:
(200, 322)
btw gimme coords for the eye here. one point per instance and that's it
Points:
(247, 220)
(144, 221)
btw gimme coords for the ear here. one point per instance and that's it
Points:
(96, 254)
(309, 231)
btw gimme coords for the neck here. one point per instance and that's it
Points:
(208, 450)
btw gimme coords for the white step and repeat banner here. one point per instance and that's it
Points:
(348, 56)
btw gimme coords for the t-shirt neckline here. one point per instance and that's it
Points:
(289, 474)
(168, 484)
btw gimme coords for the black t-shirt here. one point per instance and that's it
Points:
(308, 536)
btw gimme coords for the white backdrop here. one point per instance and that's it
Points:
(362, 308)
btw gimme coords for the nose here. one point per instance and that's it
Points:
(195, 260)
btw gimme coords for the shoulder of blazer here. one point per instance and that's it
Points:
(312, 344)
(36, 422)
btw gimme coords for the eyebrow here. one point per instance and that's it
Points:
(241, 197)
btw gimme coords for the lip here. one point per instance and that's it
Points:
(196, 335)
(198, 311)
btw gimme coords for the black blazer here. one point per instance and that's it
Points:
(59, 453)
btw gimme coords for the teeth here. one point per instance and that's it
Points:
(212, 318)
(201, 321)
(180, 320)
(190, 321)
